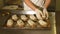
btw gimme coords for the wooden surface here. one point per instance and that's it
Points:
(19, 31)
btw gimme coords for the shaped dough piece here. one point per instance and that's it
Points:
(32, 17)
(43, 23)
(20, 23)
(24, 18)
(11, 7)
(10, 23)
(15, 17)
(31, 23)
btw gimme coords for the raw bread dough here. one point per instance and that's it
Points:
(20, 23)
(11, 7)
(32, 17)
(31, 23)
(15, 17)
(42, 23)
(10, 23)
(24, 18)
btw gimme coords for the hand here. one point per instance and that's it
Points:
(45, 13)
(39, 14)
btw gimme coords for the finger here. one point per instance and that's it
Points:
(39, 16)
(47, 15)
(41, 13)
(44, 16)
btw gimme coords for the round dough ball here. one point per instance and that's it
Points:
(32, 17)
(43, 23)
(20, 23)
(24, 18)
(31, 23)
(15, 17)
(10, 23)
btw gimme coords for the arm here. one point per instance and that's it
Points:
(29, 3)
(47, 2)
(38, 12)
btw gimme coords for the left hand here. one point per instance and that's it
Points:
(45, 14)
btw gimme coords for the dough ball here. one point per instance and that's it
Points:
(11, 7)
(32, 17)
(10, 23)
(31, 23)
(24, 18)
(43, 23)
(20, 23)
(15, 17)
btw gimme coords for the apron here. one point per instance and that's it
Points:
(39, 3)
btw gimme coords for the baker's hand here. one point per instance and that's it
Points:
(45, 14)
(39, 14)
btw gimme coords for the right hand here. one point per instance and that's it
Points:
(39, 14)
(45, 12)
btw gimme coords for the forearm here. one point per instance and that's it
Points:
(47, 2)
(29, 3)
